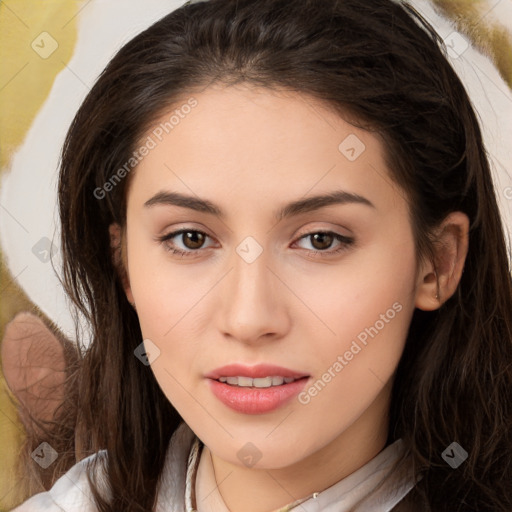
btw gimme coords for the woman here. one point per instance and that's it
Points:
(334, 331)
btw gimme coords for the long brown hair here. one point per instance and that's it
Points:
(380, 65)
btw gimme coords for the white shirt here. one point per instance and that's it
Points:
(365, 490)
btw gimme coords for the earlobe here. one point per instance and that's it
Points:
(439, 279)
(116, 246)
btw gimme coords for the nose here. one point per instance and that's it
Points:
(254, 302)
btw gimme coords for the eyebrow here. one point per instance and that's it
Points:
(305, 205)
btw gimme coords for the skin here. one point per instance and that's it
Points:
(251, 151)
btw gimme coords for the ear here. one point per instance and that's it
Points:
(117, 246)
(438, 280)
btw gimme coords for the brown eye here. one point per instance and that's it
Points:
(193, 239)
(321, 241)
(185, 242)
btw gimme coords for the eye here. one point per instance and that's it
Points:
(192, 241)
(323, 240)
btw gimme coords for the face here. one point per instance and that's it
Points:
(230, 260)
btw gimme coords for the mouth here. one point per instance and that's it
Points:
(255, 390)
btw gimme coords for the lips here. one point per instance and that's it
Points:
(242, 398)
(250, 400)
(254, 372)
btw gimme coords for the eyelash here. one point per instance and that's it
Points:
(346, 242)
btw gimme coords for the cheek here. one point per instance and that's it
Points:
(351, 296)
(365, 309)
(170, 300)
(164, 291)
(352, 368)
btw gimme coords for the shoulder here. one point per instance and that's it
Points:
(71, 492)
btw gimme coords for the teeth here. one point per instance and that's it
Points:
(262, 382)
(241, 381)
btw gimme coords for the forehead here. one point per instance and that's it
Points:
(258, 142)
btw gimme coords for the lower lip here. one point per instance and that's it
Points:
(256, 400)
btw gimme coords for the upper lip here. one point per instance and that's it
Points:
(257, 371)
